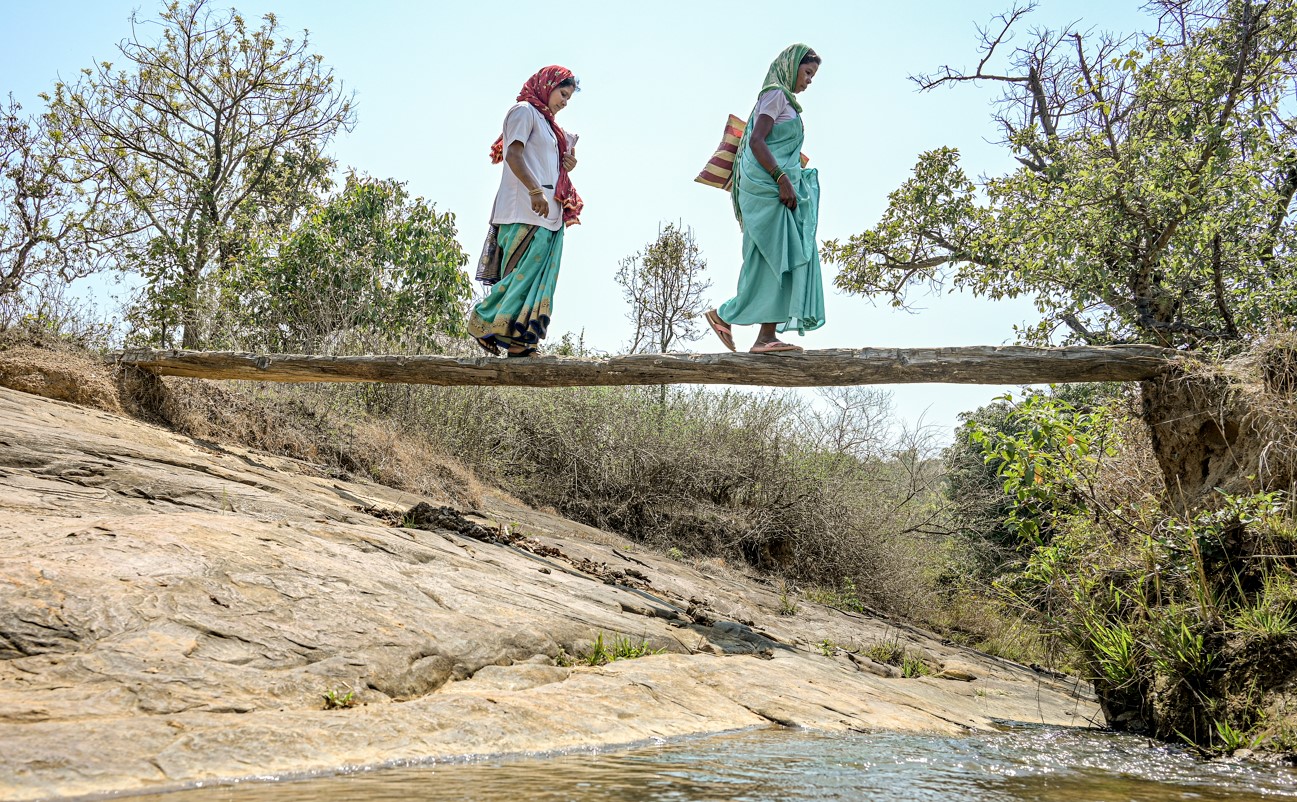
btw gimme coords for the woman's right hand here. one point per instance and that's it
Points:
(787, 196)
(540, 204)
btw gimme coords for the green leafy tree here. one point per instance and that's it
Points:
(212, 130)
(368, 266)
(1152, 198)
(996, 515)
(979, 507)
(1174, 617)
(1047, 453)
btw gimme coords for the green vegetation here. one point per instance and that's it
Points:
(366, 270)
(334, 700)
(843, 597)
(195, 146)
(196, 162)
(1183, 620)
(600, 653)
(915, 666)
(1150, 204)
(890, 651)
(1151, 201)
(787, 604)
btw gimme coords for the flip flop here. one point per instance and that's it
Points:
(722, 329)
(773, 347)
(487, 345)
(526, 352)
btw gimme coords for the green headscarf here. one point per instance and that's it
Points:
(783, 73)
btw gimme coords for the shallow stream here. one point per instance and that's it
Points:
(1021, 763)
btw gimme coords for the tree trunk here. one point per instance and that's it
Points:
(965, 365)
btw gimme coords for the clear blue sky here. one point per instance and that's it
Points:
(432, 82)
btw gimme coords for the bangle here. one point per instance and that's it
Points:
(777, 174)
(536, 191)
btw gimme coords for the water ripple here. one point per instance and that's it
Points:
(1020, 764)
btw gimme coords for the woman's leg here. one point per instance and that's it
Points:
(766, 333)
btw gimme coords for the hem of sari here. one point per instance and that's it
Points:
(510, 332)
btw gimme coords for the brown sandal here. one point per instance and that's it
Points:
(722, 329)
(773, 347)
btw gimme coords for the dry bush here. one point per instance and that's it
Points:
(1265, 379)
(313, 425)
(1227, 426)
(754, 478)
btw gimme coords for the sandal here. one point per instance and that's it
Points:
(525, 352)
(773, 347)
(722, 329)
(488, 345)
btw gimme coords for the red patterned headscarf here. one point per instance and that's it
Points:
(536, 92)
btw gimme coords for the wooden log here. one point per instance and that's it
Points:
(977, 364)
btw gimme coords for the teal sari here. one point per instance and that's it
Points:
(780, 281)
(516, 314)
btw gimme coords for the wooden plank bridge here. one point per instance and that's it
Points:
(976, 364)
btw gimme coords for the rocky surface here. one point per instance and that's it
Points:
(174, 611)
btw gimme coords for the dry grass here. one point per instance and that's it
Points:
(270, 420)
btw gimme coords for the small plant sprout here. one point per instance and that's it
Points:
(787, 604)
(621, 648)
(912, 665)
(887, 651)
(1230, 739)
(333, 700)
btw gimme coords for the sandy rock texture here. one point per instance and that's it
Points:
(174, 611)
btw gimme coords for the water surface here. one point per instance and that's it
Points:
(1024, 763)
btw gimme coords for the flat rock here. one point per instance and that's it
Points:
(175, 611)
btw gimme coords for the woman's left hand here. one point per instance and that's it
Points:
(569, 161)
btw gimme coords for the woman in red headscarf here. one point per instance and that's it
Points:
(533, 207)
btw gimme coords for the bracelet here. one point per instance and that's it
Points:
(778, 174)
(536, 191)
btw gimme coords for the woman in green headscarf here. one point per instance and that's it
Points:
(777, 203)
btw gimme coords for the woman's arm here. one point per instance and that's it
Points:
(760, 130)
(513, 158)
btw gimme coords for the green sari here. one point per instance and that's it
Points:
(780, 281)
(517, 312)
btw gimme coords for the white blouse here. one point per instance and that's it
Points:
(524, 123)
(774, 103)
